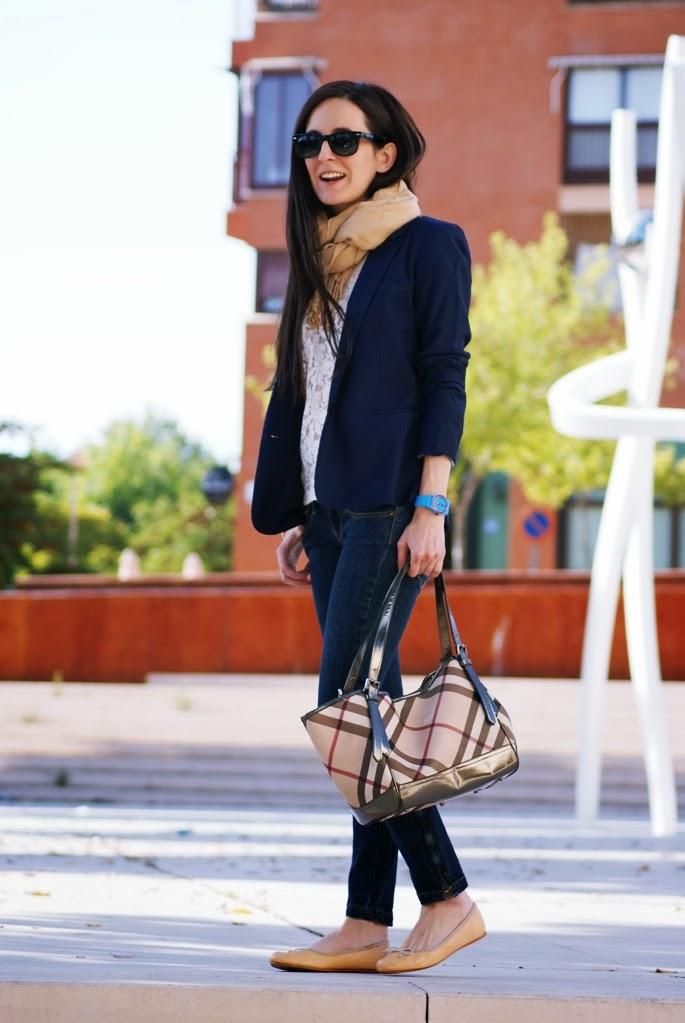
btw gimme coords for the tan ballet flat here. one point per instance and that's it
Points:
(402, 960)
(361, 959)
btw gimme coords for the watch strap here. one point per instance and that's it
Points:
(437, 503)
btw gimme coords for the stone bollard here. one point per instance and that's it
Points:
(192, 566)
(129, 565)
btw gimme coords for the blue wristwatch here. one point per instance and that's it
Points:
(436, 502)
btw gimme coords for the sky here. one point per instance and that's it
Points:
(120, 292)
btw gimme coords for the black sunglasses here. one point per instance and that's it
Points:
(343, 142)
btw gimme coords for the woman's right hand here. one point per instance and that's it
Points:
(287, 554)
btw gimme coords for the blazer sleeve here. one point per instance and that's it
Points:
(442, 295)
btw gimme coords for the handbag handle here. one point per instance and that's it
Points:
(448, 633)
(390, 596)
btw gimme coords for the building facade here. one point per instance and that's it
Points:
(515, 101)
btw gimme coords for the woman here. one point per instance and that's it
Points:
(362, 428)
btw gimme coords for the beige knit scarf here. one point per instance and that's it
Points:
(346, 237)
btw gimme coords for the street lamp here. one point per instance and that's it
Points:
(78, 461)
(217, 486)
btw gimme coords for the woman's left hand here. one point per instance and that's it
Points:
(423, 542)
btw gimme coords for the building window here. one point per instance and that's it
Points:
(277, 102)
(286, 6)
(579, 526)
(592, 94)
(271, 94)
(272, 278)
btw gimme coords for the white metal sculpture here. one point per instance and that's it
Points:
(648, 273)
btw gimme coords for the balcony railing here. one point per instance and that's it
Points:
(286, 6)
(610, 3)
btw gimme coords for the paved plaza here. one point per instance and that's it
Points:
(157, 842)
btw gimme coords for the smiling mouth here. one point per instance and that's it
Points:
(332, 181)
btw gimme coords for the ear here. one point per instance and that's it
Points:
(386, 157)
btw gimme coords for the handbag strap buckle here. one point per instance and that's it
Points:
(370, 689)
(380, 743)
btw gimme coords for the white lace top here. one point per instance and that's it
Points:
(318, 367)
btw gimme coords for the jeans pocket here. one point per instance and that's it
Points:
(379, 512)
(402, 516)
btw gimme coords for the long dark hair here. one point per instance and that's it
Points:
(385, 116)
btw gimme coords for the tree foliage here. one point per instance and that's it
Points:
(24, 487)
(135, 464)
(98, 537)
(533, 321)
(669, 475)
(139, 487)
(148, 476)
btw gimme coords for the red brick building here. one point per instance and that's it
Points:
(514, 100)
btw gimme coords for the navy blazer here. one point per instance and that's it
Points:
(400, 396)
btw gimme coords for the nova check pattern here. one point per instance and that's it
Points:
(430, 731)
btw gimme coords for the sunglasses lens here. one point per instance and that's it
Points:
(344, 143)
(307, 145)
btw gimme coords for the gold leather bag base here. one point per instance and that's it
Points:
(449, 737)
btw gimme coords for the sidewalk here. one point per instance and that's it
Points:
(173, 914)
(166, 906)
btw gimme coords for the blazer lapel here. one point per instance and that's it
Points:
(375, 266)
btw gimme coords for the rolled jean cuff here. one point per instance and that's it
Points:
(376, 916)
(458, 886)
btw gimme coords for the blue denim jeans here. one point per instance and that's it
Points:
(353, 560)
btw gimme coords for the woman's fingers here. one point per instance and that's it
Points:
(287, 554)
(418, 547)
(416, 562)
(295, 578)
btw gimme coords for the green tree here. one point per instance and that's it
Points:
(669, 474)
(148, 477)
(23, 484)
(137, 463)
(169, 528)
(97, 537)
(532, 321)
(139, 487)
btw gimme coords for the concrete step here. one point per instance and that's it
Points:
(332, 998)
(219, 742)
(325, 797)
(281, 775)
(313, 792)
(263, 760)
(294, 779)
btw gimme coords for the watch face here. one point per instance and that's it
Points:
(440, 503)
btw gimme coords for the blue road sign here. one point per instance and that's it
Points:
(536, 524)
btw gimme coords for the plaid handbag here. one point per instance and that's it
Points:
(389, 757)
